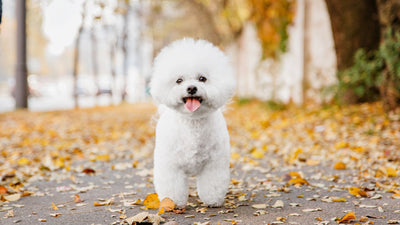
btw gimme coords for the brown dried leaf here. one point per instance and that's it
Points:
(167, 204)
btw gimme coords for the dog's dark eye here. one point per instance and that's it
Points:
(179, 81)
(202, 79)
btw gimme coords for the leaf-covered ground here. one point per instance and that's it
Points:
(308, 165)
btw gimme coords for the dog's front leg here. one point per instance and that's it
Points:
(213, 183)
(172, 183)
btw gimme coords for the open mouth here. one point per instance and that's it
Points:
(192, 103)
(185, 99)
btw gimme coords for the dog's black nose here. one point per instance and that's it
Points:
(191, 90)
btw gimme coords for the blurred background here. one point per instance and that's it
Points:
(77, 53)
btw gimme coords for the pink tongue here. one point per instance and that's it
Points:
(192, 104)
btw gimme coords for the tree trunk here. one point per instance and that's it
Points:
(95, 64)
(21, 81)
(1, 10)
(76, 57)
(113, 45)
(355, 25)
(125, 51)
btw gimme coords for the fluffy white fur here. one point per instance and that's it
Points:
(192, 143)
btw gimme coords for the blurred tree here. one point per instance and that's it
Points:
(272, 19)
(222, 21)
(355, 25)
(124, 44)
(1, 10)
(21, 74)
(96, 24)
(389, 14)
(36, 40)
(76, 56)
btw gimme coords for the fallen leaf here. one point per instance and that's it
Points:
(10, 213)
(339, 166)
(278, 204)
(161, 211)
(341, 144)
(295, 174)
(298, 181)
(54, 206)
(257, 154)
(77, 199)
(104, 157)
(106, 202)
(312, 210)
(391, 172)
(89, 171)
(357, 192)
(23, 161)
(144, 217)
(151, 201)
(167, 204)
(3, 190)
(347, 218)
(137, 218)
(12, 198)
(179, 211)
(259, 206)
(335, 199)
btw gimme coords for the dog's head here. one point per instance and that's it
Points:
(192, 77)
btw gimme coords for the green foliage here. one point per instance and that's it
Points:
(374, 76)
(362, 78)
(243, 101)
(274, 106)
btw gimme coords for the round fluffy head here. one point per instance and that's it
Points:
(192, 77)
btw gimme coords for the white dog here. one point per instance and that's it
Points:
(192, 80)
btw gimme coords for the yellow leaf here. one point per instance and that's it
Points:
(167, 204)
(339, 166)
(235, 181)
(161, 211)
(255, 135)
(357, 192)
(295, 174)
(77, 198)
(104, 157)
(358, 149)
(23, 161)
(298, 181)
(54, 206)
(60, 162)
(235, 155)
(341, 144)
(396, 194)
(151, 201)
(97, 204)
(257, 154)
(335, 199)
(391, 172)
(347, 218)
(107, 202)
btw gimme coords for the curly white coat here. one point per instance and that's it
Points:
(192, 143)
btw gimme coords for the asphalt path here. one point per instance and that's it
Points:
(259, 195)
